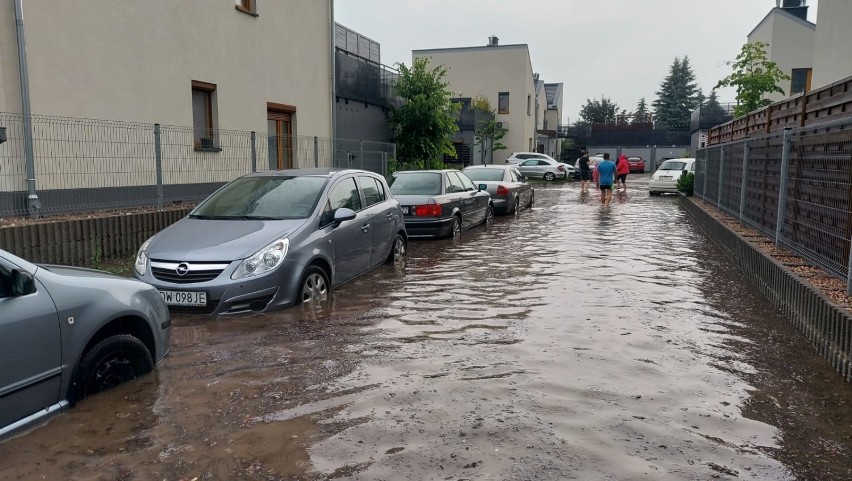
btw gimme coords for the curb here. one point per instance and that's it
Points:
(826, 325)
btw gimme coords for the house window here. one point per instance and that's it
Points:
(800, 80)
(247, 6)
(529, 105)
(204, 115)
(503, 103)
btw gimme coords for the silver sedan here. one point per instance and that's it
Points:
(546, 169)
(509, 189)
(67, 332)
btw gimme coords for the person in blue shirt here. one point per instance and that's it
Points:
(606, 177)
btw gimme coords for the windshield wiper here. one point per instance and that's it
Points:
(256, 217)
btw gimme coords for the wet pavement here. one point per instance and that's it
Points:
(575, 341)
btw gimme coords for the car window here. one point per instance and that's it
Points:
(5, 281)
(345, 194)
(517, 175)
(531, 162)
(454, 184)
(416, 183)
(373, 191)
(543, 162)
(467, 184)
(275, 197)
(673, 165)
(484, 175)
(523, 156)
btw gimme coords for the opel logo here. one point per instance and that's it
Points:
(182, 269)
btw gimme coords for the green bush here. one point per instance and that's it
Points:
(686, 182)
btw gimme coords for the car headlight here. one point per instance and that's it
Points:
(141, 264)
(264, 260)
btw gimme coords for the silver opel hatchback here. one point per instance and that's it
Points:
(274, 239)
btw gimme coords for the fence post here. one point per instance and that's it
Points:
(316, 151)
(253, 152)
(361, 152)
(744, 185)
(704, 192)
(158, 155)
(782, 188)
(721, 177)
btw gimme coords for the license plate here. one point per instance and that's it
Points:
(665, 177)
(184, 298)
(405, 210)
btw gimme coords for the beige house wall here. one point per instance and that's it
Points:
(487, 71)
(134, 61)
(791, 45)
(832, 57)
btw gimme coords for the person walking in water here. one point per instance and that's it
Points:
(621, 170)
(606, 178)
(585, 171)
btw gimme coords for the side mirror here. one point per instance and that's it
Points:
(483, 187)
(23, 283)
(343, 214)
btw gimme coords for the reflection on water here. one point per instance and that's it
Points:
(576, 341)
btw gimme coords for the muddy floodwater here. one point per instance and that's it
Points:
(574, 341)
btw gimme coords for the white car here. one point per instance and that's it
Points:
(518, 157)
(666, 176)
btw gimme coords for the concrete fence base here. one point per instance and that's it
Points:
(827, 325)
(86, 242)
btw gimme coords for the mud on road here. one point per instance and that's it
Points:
(573, 341)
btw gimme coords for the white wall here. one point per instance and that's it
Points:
(134, 60)
(791, 45)
(832, 57)
(487, 71)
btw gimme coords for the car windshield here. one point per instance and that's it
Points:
(265, 198)
(416, 183)
(673, 165)
(484, 175)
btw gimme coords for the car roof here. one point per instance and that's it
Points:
(490, 166)
(316, 172)
(431, 171)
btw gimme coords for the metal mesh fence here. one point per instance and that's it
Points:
(86, 165)
(803, 175)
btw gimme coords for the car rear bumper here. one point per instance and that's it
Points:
(428, 228)
(662, 186)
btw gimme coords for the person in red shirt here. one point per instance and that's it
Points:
(621, 170)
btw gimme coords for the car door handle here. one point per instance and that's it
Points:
(390, 215)
(365, 227)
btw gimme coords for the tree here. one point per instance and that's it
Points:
(487, 136)
(623, 117)
(753, 77)
(642, 114)
(678, 95)
(426, 120)
(712, 112)
(598, 111)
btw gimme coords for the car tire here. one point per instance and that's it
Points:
(488, 221)
(517, 208)
(548, 176)
(455, 228)
(399, 249)
(314, 286)
(112, 361)
(532, 201)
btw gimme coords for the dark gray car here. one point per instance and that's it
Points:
(509, 189)
(68, 332)
(273, 239)
(441, 203)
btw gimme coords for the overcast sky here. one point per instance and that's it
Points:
(618, 48)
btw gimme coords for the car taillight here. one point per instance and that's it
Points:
(502, 190)
(428, 210)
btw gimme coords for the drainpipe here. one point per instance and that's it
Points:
(332, 87)
(33, 204)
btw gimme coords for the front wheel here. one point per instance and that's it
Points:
(398, 251)
(549, 176)
(114, 360)
(489, 217)
(314, 286)
(455, 229)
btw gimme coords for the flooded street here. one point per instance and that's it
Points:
(575, 341)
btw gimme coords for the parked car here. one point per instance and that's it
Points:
(441, 203)
(509, 189)
(273, 239)
(547, 169)
(636, 164)
(518, 157)
(593, 161)
(68, 332)
(665, 178)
